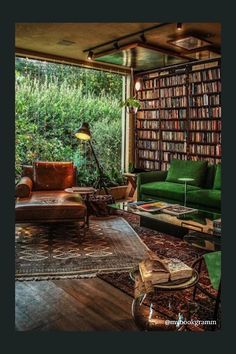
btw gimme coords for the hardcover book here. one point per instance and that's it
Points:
(177, 210)
(152, 207)
(157, 271)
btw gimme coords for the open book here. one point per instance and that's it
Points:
(160, 271)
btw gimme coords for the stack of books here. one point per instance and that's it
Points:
(158, 271)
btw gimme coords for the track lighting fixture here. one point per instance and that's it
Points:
(115, 42)
(90, 55)
(143, 39)
(179, 26)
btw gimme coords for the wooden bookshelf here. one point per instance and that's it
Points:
(180, 115)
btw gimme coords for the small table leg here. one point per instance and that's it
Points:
(185, 193)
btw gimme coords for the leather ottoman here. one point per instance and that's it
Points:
(46, 206)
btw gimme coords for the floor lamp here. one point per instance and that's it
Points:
(83, 133)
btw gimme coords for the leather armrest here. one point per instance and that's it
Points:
(24, 187)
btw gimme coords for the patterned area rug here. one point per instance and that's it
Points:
(60, 251)
(169, 246)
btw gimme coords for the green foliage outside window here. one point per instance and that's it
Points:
(52, 101)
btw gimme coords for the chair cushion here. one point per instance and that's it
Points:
(166, 190)
(206, 197)
(187, 169)
(52, 175)
(50, 206)
(217, 180)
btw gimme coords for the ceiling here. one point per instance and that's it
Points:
(70, 42)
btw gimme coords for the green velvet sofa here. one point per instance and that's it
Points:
(203, 193)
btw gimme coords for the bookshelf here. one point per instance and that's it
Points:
(180, 115)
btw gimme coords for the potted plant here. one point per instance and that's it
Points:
(116, 184)
(132, 104)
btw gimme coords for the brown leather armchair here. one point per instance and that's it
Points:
(41, 196)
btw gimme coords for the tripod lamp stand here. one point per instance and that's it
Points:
(83, 133)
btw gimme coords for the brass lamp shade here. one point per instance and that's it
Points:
(83, 133)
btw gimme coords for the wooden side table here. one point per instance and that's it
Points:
(132, 180)
(85, 192)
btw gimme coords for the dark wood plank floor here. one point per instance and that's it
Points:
(72, 305)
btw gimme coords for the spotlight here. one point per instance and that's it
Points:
(90, 55)
(116, 45)
(143, 39)
(179, 26)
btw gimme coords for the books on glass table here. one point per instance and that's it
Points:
(159, 271)
(177, 210)
(152, 207)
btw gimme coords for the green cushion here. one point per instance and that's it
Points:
(217, 180)
(189, 169)
(213, 263)
(167, 190)
(205, 197)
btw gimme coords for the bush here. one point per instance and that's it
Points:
(52, 101)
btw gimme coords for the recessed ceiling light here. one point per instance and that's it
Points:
(65, 42)
(190, 42)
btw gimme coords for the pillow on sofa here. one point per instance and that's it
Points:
(217, 180)
(53, 175)
(24, 187)
(188, 169)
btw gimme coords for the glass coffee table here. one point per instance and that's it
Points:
(198, 221)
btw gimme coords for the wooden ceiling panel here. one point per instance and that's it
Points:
(69, 40)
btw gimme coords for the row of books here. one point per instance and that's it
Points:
(165, 166)
(144, 95)
(173, 80)
(214, 125)
(168, 102)
(149, 165)
(202, 149)
(148, 114)
(205, 137)
(147, 144)
(162, 92)
(205, 87)
(173, 135)
(171, 146)
(173, 114)
(149, 154)
(148, 124)
(204, 100)
(207, 125)
(148, 134)
(168, 156)
(173, 91)
(150, 83)
(210, 160)
(173, 124)
(210, 74)
(163, 114)
(203, 112)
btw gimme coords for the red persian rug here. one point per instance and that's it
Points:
(169, 246)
